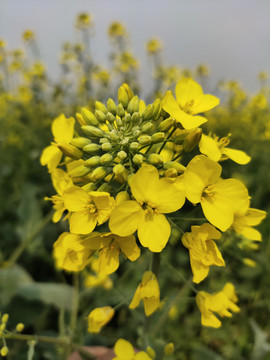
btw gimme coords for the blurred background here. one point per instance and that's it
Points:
(57, 56)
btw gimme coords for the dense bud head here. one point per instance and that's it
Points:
(71, 151)
(119, 122)
(101, 116)
(157, 137)
(145, 140)
(137, 159)
(101, 107)
(121, 155)
(113, 135)
(89, 117)
(80, 142)
(92, 162)
(111, 106)
(106, 158)
(92, 131)
(91, 148)
(155, 159)
(133, 105)
(106, 146)
(135, 117)
(127, 118)
(120, 111)
(147, 112)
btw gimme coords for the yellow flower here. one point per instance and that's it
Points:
(99, 317)
(28, 35)
(149, 292)
(243, 221)
(117, 29)
(61, 181)
(62, 130)
(87, 209)
(216, 150)
(97, 279)
(220, 199)
(84, 21)
(153, 197)
(203, 251)
(221, 303)
(189, 102)
(153, 46)
(124, 351)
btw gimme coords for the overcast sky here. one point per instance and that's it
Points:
(232, 36)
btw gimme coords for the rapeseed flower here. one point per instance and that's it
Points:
(153, 197)
(220, 199)
(149, 292)
(190, 101)
(221, 303)
(203, 251)
(125, 351)
(99, 317)
(87, 209)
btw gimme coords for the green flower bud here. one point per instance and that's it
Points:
(92, 131)
(89, 187)
(165, 125)
(19, 327)
(133, 105)
(80, 142)
(157, 137)
(80, 171)
(137, 159)
(169, 349)
(136, 133)
(119, 122)
(155, 159)
(151, 352)
(147, 127)
(5, 318)
(104, 140)
(156, 109)
(100, 116)
(122, 155)
(192, 140)
(145, 140)
(124, 141)
(120, 111)
(105, 187)
(101, 107)
(4, 351)
(123, 97)
(80, 119)
(89, 117)
(147, 112)
(172, 172)
(129, 91)
(174, 164)
(92, 162)
(98, 173)
(135, 118)
(111, 106)
(114, 136)
(106, 158)
(134, 145)
(127, 118)
(106, 146)
(118, 169)
(70, 151)
(91, 148)
(110, 117)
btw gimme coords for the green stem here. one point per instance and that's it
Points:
(165, 141)
(75, 305)
(25, 242)
(176, 226)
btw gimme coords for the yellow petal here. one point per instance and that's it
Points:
(240, 157)
(150, 305)
(62, 129)
(99, 317)
(187, 90)
(51, 156)
(75, 198)
(206, 103)
(124, 349)
(125, 218)
(199, 270)
(209, 147)
(154, 232)
(108, 260)
(129, 247)
(82, 222)
(61, 180)
(136, 298)
(254, 216)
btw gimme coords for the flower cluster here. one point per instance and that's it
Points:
(124, 171)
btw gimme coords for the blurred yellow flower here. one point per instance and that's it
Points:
(28, 35)
(190, 101)
(124, 351)
(99, 317)
(153, 46)
(84, 21)
(117, 29)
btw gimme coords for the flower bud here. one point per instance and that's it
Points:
(151, 352)
(145, 140)
(91, 148)
(19, 327)
(137, 159)
(127, 118)
(89, 117)
(104, 140)
(174, 164)
(80, 171)
(110, 117)
(111, 106)
(165, 125)
(89, 187)
(123, 97)
(147, 113)
(101, 107)
(122, 155)
(136, 133)
(106, 146)
(4, 351)
(169, 349)
(106, 158)
(92, 131)
(157, 137)
(80, 142)
(80, 119)
(105, 187)
(100, 116)
(70, 151)
(92, 162)
(121, 196)
(118, 169)
(147, 127)
(134, 145)
(119, 122)
(155, 159)
(120, 111)
(172, 173)
(135, 117)
(192, 140)
(133, 105)
(156, 109)
(114, 136)
(98, 173)
(129, 91)
(5, 318)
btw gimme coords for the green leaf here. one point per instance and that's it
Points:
(203, 352)
(10, 279)
(58, 295)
